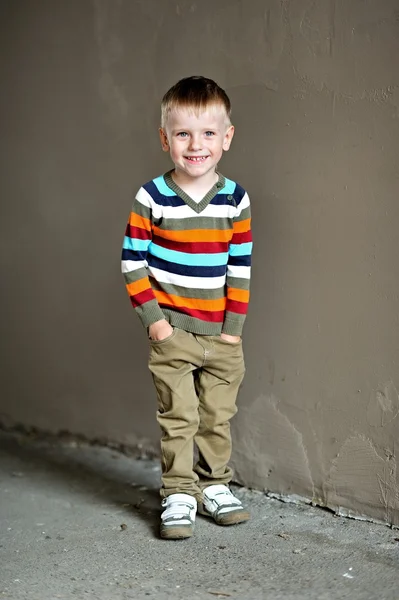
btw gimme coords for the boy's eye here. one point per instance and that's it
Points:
(209, 133)
(182, 134)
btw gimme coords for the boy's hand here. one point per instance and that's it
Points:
(160, 330)
(233, 339)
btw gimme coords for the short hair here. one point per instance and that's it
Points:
(197, 93)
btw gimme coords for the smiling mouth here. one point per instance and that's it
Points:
(196, 159)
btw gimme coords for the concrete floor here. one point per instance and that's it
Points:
(62, 507)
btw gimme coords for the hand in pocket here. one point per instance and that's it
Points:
(160, 330)
(232, 339)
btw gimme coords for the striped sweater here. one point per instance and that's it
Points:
(189, 262)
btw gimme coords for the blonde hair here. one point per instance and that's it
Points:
(196, 93)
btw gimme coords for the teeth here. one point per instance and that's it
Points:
(196, 158)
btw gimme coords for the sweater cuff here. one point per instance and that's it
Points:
(150, 313)
(233, 326)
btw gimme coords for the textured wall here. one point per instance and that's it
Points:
(315, 90)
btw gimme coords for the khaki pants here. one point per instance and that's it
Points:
(197, 378)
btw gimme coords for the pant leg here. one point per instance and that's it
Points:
(172, 363)
(217, 385)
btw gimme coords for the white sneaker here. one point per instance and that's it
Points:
(221, 504)
(178, 518)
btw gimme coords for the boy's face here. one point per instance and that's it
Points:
(196, 142)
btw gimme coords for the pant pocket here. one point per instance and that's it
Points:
(165, 340)
(226, 343)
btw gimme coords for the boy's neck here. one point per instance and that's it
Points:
(197, 186)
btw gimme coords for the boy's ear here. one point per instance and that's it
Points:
(228, 136)
(164, 140)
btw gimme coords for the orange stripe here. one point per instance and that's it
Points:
(197, 303)
(138, 286)
(138, 221)
(237, 294)
(242, 226)
(195, 235)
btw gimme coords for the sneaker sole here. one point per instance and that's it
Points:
(176, 533)
(231, 518)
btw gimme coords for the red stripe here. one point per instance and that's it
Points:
(241, 238)
(192, 247)
(142, 297)
(237, 307)
(138, 233)
(204, 315)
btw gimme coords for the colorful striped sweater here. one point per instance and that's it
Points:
(189, 262)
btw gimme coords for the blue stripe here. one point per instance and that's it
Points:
(240, 261)
(222, 199)
(189, 271)
(239, 194)
(162, 187)
(135, 244)
(162, 199)
(240, 249)
(229, 187)
(131, 255)
(234, 189)
(184, 258)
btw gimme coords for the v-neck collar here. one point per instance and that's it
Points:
(198, 207)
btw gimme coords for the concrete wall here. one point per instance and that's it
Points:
(315, 90)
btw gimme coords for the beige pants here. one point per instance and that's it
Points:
(197, 378)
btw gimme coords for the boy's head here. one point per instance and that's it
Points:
(197, 94)
(195, 125)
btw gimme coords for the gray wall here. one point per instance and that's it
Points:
(315, 92)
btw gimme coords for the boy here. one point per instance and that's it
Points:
(186, 262)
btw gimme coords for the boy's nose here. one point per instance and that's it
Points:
(195, 142)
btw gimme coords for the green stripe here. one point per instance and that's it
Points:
(133, 276)
(216, 223)
(245, 214)
(238, 282)
(184, 292)
(141, 210)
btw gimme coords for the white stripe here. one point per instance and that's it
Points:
(243, 204)
(241, 272)
(133, 265)
(209, 283)
(146, 200)
(184, 212)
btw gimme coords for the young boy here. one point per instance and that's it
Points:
(186, 262)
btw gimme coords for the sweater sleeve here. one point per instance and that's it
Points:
(238, 270)
(134, 261)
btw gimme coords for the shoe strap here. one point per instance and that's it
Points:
(177, 510)
(182, 498)
(178, 505)
(222, 496)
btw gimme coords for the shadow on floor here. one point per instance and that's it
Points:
(79, 468)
